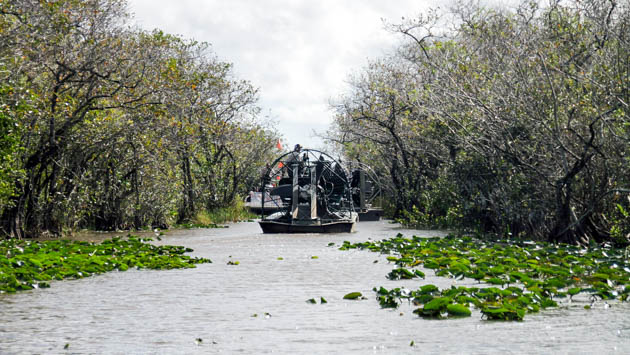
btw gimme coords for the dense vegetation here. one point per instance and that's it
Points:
(514, 122)
(104, 126)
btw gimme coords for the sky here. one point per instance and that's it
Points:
(299, 53)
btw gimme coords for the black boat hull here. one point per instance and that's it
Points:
(280, 227)
(374, 214)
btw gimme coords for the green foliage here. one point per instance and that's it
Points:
(25, 265)
(620, 225)
(8, 149)
(432, 218)
(515, 124)
(10, 136)
(233, 213)
(143, 129)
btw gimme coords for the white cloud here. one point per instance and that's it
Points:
(299, 53)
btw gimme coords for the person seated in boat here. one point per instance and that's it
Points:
(295, 155)
(287, 165)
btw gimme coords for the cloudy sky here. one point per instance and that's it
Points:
(299, 53)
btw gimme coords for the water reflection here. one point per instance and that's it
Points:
(259, 306)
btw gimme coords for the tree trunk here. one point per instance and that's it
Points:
(187, 209)
(567, 229)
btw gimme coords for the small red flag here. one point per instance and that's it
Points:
(279, 145)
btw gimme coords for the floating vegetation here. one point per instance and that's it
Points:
(519, 277)
(352, 296)
(25, 265)
(402, 273)
(322, 300)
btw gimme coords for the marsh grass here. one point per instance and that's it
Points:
(217, 217)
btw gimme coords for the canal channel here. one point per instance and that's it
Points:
(253, 300)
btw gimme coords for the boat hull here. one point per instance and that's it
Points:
(268, 226)
(372, 214)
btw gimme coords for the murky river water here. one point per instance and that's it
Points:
(259, 306)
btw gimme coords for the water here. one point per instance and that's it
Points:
(259, 306)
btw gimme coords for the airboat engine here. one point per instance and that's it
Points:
(309, 192)
(366, 192)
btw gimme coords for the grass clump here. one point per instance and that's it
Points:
(215, 218)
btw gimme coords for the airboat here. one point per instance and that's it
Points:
(309, 192)
(254, 202)
(366, 192)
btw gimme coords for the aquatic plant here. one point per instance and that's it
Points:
(25, 265)
(352, 296)
(322, 300)
(515, 278)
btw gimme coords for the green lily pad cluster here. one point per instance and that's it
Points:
(25, 265)
(402, 273)
(494, 303)
(522, 277)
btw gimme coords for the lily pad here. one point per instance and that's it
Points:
(537, 274)
(458, 310)
(352, 296)
(29, 264)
